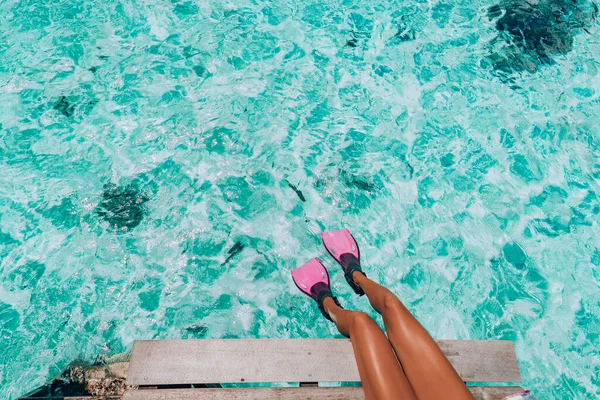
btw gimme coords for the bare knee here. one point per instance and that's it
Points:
(392, 303)
(361, 319)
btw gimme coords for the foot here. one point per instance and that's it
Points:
(313, 280)
(343, 248)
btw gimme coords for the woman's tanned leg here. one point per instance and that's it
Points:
(381, 375)
(429, 372)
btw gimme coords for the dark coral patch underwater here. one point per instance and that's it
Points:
(532, 33)
(123, 207)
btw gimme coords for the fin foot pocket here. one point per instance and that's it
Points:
(348, 274)
(342, 246)
(313, 280)
(321, 299)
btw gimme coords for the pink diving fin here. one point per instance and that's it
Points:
(343, 248)
(313, 280)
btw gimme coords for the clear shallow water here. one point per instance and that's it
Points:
(165, 164)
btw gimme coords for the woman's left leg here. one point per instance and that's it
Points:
(380, 372)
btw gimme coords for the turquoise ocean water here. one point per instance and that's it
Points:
(165, 164)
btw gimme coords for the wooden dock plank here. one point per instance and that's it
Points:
(323, 393)
(166, 362)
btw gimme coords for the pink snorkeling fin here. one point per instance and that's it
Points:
(342, 246)
(313, 280)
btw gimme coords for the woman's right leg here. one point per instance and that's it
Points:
(381, 375)
(429, 372)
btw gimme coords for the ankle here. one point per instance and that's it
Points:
(357, 277)
(328, 303)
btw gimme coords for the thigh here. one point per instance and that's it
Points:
(380, 372)
(429, 372)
